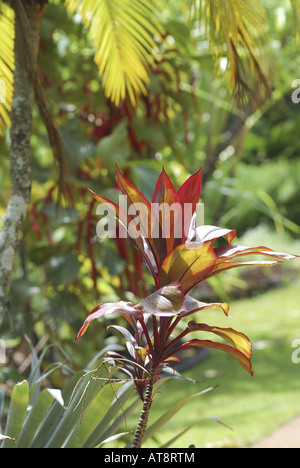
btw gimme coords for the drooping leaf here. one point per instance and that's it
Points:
(124, 308)
(235, 338)
(238, 355)
(228, 257)
(237, 26)
(123, 36)
(131, 342)
(192, 306)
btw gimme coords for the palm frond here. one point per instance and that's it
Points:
(123, 32)
(296, 12)
(235, 29)
(7, 64)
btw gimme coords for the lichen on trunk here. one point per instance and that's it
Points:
(20, 152)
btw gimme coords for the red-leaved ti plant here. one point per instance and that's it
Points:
(179, 255)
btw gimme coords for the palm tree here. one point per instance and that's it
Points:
(126, 35)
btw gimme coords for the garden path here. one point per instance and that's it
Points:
(287, 436)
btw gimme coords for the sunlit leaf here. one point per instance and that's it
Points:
(236, 27)
(238, 355)
(123, 32)
(192, 306)
(235, 338)
(189, 263)
(7, 63)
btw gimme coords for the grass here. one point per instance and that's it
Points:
(253, 407)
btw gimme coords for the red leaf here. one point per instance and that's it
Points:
(189, 193)
(168, 224)
(124, 308)
(238, 355)
(134, 233)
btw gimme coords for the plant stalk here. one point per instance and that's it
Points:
(144, 416)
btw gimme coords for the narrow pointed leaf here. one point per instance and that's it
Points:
(124, 308)
(228, 257)
(235, 338)
(167, 416)
(192, 306)
(238, 355)
(189, 194)
(137, 202)
(168, 219)
(135, 234)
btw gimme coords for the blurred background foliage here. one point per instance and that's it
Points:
(249, 156)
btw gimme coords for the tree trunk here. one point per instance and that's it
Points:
(28, 15)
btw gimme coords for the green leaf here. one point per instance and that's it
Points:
(63, 268)
(55, 413)
(110, 423)
(35, 417)
(165, 418)
(91, 416)
(114, 144)
(17, 412)
(84, 392)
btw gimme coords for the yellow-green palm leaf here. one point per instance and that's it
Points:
(296, 12)
(123, 33)
(7, 63)
(235, 28)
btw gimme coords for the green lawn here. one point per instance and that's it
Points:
(252, 406)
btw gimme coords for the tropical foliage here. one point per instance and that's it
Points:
(127, 39)
(178, 264)
(179, 115)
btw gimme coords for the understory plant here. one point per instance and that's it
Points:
(179, 254)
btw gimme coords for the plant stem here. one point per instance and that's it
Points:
(144, 416)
